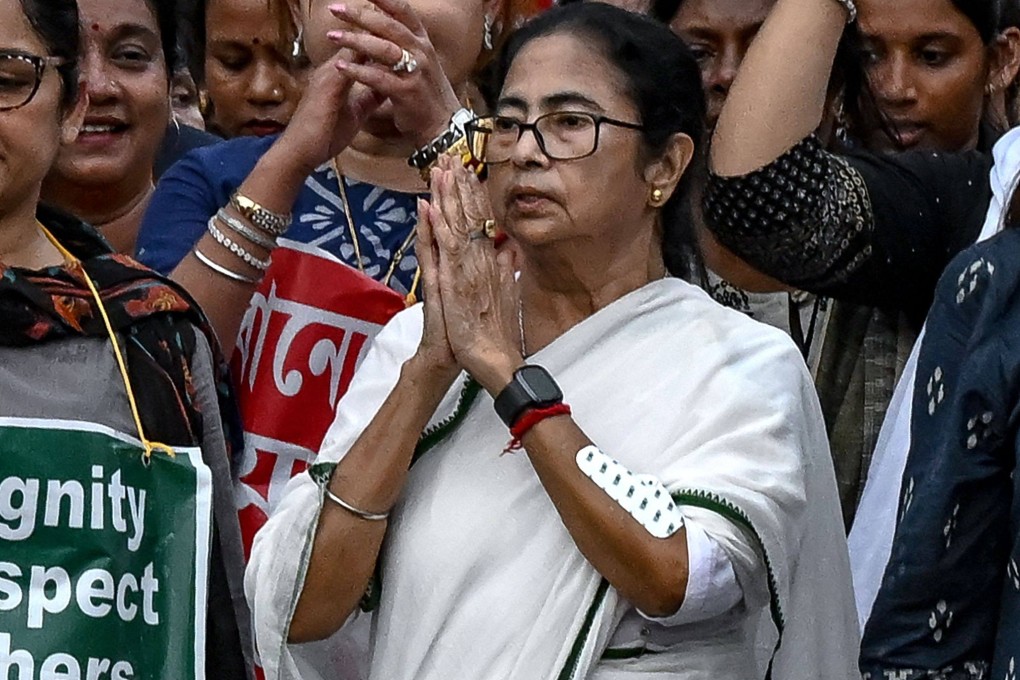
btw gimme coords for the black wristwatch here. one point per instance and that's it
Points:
(532, 387)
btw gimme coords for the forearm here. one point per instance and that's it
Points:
(370, 477)
(779, 94)
(274, 183)
(650, 572)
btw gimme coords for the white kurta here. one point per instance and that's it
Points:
(480, 578)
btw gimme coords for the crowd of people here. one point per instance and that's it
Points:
(509, 339)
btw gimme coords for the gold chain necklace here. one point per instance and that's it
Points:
(341, 182)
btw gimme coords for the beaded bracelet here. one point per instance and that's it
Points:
(236, 249)
(266, 220)
(239, 227)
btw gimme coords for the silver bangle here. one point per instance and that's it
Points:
(236, 248)
(239, 227)
(222, 271)
(851, 9)
(370, 516)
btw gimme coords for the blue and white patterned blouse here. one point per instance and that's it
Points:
(202, 182)
(949, 603)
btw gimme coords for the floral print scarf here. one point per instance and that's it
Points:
(156, 318)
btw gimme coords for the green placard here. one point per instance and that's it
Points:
(103, 559)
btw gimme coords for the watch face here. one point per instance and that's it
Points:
(539, 384)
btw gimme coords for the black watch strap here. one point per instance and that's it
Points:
(531, 387)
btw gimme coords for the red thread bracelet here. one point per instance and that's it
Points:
(529, 420)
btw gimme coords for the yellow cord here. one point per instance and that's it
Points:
(150, 447)
(411, 299)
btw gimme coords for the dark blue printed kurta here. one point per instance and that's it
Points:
(949, 603)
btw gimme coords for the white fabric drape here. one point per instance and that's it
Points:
(872, 533)
(480, 578)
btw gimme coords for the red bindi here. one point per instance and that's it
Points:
(255, 41)
(95, 27)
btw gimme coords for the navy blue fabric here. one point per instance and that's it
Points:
(949, 603)
(202, 182)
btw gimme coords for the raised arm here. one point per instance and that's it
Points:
(220, 281)
(340, 96)
(778, 96)
(784, 212)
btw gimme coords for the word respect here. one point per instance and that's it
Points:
(96, 593)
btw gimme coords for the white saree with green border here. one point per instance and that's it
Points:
(479, 578)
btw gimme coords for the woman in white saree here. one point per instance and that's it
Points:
(705, 542)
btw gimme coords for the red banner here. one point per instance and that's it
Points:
(306, 330)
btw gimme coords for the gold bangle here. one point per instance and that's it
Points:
(469, 154)
(267, 220)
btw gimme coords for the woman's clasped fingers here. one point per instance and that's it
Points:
(369, 18)
(369, 47)
(446, 239)
(474, 200)
(451, 203)
(398, 61)
(424, 248)
(402, 11)
(435, 346)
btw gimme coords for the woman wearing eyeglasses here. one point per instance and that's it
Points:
(64, 295)
(617, 477)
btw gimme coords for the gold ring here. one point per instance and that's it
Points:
(489, 228)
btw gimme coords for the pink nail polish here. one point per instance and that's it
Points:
(338, 9)
(335, 35)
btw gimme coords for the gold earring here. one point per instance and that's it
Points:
(656, 197)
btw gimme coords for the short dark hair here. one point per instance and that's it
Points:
(55, 22)
(664, 83)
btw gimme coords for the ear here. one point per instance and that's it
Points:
(1005, 61)
(74, 117)
(664, 172)
(496, 11)
(294, 9)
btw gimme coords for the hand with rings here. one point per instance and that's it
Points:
(393, 56)
(476, 281)
(486, 231)
(407, 63)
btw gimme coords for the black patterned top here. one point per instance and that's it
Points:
(875, 230)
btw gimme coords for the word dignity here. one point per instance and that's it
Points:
(20, 506)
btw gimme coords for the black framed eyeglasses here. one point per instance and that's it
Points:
(561, 135)
(21, 74)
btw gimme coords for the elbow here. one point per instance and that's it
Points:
(663, 590)
(308, 626)
(666, 599)
(318, 618)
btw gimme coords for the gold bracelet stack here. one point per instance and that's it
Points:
(262, 229)
(266, 220)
